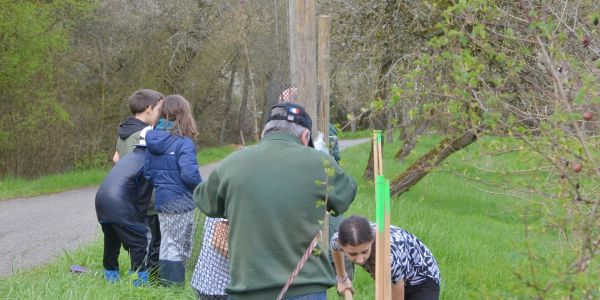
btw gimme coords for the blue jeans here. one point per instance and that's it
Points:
(314, 296)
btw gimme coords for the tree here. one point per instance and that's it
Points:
(32, 35)
(525, 71)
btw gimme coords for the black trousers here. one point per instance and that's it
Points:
(426, 290)
(153, 250)
(134, 241)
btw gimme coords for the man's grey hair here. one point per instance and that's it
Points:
(283, 125)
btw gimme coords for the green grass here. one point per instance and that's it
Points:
(15, 187)
(54, 281)
(349, 135)
(213, 154)
(476, 237)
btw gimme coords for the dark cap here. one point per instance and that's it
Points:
(294, 113)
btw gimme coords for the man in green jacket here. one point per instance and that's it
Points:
(271, 194)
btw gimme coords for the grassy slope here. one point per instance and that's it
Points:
(11, 187)
(472, 235)
(348, 135)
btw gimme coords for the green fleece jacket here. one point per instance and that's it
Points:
(269, 193)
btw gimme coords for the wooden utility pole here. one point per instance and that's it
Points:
(293, 42)
(306, 53)
(323, 74)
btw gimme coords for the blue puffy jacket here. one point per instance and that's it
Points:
(171, 165)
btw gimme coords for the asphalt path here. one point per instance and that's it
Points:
(36, 230)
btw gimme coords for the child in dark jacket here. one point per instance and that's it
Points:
(144, 105)
(172, 167)
(121, 204)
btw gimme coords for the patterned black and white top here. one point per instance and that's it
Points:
(411, 260)
(211, 274)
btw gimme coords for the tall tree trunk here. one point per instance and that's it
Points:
(244, 104)
(381, 120)
(248, 77)
(377, 117)
(389, 132)
(228, 99)
(352, 123)
(431, 159)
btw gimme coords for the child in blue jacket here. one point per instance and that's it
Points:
(172, 167)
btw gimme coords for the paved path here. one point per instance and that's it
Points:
(38, 229)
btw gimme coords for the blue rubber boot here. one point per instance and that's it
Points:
(111, 276)
(139, 278)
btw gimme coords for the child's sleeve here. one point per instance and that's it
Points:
(148, 167)
(333, 242)
(188, 165)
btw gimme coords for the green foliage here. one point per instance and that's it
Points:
(29, 38)
(522, 72)
(32, 34)
(377, 105)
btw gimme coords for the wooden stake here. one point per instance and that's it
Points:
(382, 240)
(375, 156)
(387, 248)
(380, 155)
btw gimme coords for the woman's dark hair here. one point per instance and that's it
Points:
(354, 231)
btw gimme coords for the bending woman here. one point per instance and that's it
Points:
(415, 274)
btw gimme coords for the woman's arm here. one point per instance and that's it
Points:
(220, 236)
(343, 281)
(398, 290)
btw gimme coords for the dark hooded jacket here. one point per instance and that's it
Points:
(171, 165)
(129, 135)
(334, 148)
(123, 196)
